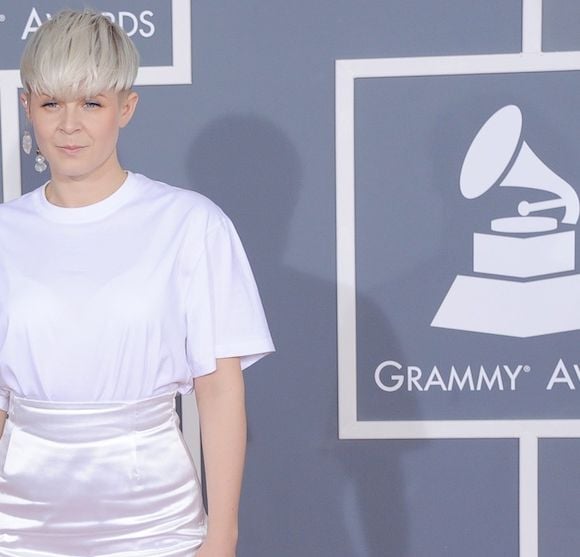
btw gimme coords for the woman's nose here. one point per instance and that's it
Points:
(69, 119)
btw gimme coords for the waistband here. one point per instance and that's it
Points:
(104, 419)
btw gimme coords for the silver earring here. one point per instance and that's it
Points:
(40, 162)
(27, 142)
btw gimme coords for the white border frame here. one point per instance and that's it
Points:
(178, 73)
(528, 432)
(347, 71)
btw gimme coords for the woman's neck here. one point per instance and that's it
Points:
(84, 190)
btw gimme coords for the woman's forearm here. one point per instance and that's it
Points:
(221, 405)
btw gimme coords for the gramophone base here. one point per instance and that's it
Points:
(531, 256)
(510, 308)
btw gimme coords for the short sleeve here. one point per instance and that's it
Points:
(224, 312)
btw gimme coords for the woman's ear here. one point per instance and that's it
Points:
(129, 102)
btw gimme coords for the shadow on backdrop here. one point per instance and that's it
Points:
(305, 492)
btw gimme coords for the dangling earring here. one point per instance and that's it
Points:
(27, 142)
(40, 162)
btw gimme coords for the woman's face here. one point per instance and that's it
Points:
(78, 137)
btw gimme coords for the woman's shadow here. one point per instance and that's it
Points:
(305, 491)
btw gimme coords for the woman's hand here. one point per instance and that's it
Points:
(3, 416)
(216, 549)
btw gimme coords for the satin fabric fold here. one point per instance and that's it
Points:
(98, 479)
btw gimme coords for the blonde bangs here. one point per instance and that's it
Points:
(78, 54)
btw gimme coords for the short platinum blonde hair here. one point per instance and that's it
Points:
(78, 53)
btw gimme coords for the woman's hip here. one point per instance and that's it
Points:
(113, 476)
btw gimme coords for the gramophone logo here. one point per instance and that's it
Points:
(523, 281)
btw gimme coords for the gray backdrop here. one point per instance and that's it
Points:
(255, 132)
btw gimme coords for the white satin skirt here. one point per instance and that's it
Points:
(98, 479)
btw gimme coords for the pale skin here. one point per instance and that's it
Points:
(78, 137)
(221, 405)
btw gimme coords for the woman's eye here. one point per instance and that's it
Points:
(49, 104)
(92, 104)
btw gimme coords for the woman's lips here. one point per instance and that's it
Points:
(71, 148)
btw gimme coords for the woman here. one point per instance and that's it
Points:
(116, 291)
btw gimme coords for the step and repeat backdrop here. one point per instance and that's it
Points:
(405, 177)
(457, 210)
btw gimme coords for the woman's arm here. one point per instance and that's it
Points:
(221, 405)
(3, 416)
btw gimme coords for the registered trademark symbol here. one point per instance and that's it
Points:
(527, 369)
(2, 18)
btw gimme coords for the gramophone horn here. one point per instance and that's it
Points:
(498, 156)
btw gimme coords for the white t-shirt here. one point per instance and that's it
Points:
(126, 298)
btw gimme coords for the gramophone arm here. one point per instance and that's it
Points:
(528, 171)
